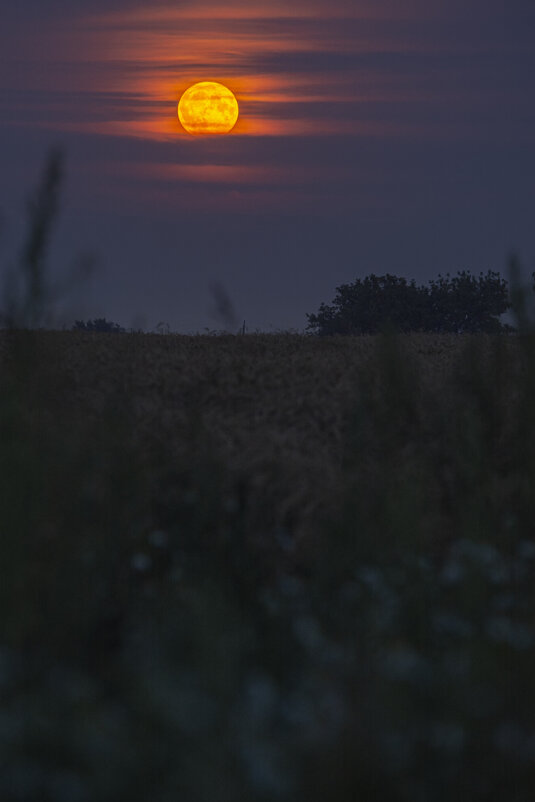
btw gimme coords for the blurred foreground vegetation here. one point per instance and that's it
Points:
(267, 567)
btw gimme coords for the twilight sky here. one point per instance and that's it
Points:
(385, 136)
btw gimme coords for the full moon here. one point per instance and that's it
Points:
(208, 108)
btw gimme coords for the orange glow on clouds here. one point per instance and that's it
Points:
(307, 70)
(296, 69)
(133, 66)
(148, 57)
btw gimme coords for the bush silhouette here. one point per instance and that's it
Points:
(461, 304)
(99, 324)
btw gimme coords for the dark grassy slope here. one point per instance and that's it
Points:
(268, 566)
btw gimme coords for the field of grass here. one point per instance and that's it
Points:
(267, 567)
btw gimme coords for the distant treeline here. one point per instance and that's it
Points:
(463, 304)
(98, 324)
(455, 305)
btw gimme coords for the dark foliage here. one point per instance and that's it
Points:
(99, 324)
(457, 305)
(466, 304)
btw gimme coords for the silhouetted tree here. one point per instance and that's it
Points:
(461, 304)
(466, 304)
(369, 304)
(99, 324)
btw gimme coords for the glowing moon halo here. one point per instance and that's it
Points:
(208, 108)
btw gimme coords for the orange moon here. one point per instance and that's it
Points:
(208, 108)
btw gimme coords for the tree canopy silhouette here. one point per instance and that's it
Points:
(460, 304)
